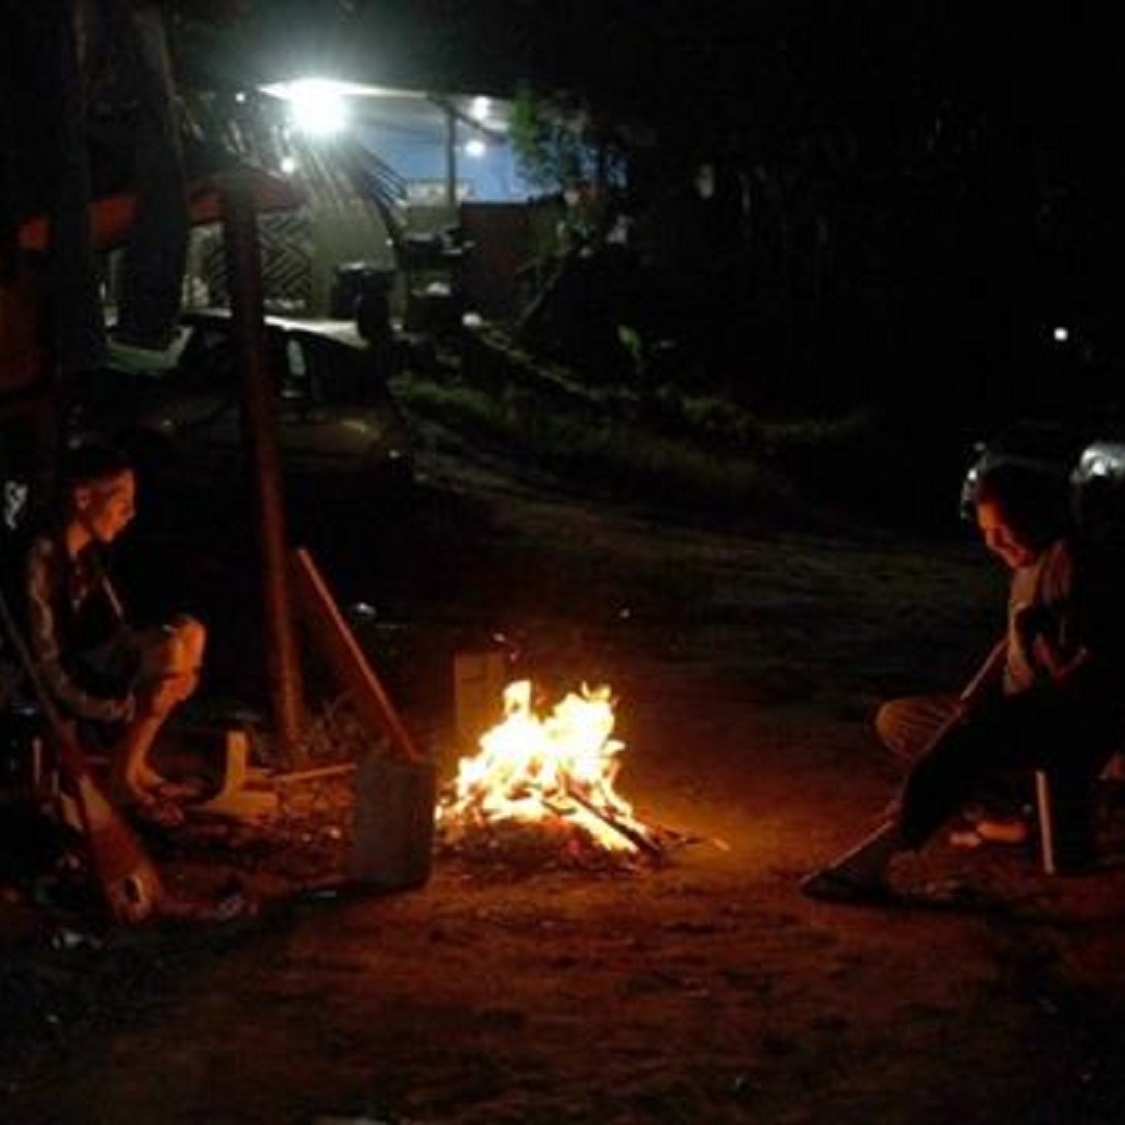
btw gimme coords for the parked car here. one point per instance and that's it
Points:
(337, 420)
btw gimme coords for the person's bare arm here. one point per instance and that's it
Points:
(46, 646)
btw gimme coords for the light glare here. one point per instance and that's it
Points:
(317, 106)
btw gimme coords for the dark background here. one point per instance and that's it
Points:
(911, 196)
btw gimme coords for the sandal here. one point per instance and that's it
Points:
(831, 884)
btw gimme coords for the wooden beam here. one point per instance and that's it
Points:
(259, 433)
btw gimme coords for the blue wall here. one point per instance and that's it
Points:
(417, 154)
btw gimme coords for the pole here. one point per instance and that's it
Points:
(259, 430)
(451, 162)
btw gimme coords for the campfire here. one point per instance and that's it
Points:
(550, 774)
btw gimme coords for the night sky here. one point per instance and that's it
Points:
(1046, 67)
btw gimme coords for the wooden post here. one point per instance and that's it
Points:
(259, 430)
(451, 161)
(1046, 813)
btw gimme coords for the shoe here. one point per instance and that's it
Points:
(832, 884)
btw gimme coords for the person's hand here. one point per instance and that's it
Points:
(1060, 668)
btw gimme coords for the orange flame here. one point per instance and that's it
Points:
(532, 769)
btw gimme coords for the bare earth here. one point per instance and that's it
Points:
(705, 989)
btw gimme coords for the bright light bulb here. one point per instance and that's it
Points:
(1061, 334)
(317, 106)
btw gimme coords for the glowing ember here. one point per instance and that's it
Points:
(542, 770)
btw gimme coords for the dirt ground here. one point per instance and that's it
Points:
(523, 987)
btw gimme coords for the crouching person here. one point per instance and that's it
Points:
(116, 683)
(1048, 698)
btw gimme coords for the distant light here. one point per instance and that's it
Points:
(1061, 334)
(289, 165)
(474, 146)
(481, 108)
(705, 180)
(240, 97)
(317, 106)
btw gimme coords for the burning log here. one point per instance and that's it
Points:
(635, 835)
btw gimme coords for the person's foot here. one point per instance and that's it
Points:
(145, 779)
(838, 885)
(184, 790)
(149, 785)
(1011, 832)
(126, 792)
(147, 807)
(155, 812)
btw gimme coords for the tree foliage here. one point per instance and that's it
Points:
(548, 141)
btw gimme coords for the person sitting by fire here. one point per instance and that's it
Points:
(1047, 698)
(115, 683)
